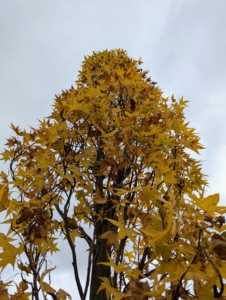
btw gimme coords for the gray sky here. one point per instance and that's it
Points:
(182, 44)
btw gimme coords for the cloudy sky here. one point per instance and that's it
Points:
(182, 43)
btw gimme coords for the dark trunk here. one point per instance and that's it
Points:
(100, 248)
(99, 270)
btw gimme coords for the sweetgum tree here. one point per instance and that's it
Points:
(113, 155)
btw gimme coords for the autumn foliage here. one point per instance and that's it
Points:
(113, 155)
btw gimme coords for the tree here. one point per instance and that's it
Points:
(113, 155)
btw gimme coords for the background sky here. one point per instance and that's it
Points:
(182, 44)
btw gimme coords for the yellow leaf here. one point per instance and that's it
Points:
(69, 178)
(47, 288)
(7, 154)
(169, 177)
(42, 245)
(4, 200)
(4, 240)
(62, 295)
(9, 255)
(76, 170)
(110, 290)
(26, 296)
(110, 134)
(2, 190)
(210, 200)
(209, 204)
(116, 110)
(151, 132)
(156, 235)
(112, 238)
(123, 232)
(118, 268)
(166, 141)
(137, 188)
(73, 234)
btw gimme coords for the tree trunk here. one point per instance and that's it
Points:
(99, 270)
(100, 246)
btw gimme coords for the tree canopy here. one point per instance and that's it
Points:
(114, 155)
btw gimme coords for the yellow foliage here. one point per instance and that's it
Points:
(113, 154)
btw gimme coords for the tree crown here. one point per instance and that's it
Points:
(115, 155)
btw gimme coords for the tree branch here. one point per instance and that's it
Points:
(85, 236)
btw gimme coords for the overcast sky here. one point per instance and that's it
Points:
(182, 44)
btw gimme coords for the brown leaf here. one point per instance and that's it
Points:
(138, 288)
(72, 224)
(217, 246)
(97, 198)
(24, 215)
